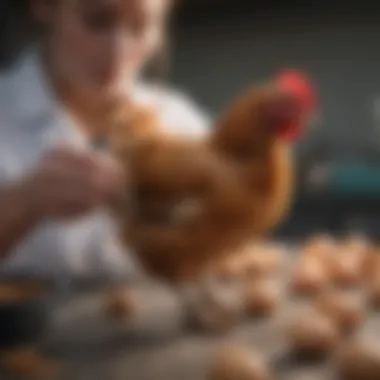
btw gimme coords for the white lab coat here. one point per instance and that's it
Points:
(31, 122)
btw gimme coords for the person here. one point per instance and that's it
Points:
(54, 185)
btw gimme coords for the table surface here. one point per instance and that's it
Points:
(154, 345)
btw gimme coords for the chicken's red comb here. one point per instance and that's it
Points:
(300, 86)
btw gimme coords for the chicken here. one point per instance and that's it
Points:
(193, 201)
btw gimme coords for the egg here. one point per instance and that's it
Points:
(319, 246)
(239, 363)
(19, 291)
(257, 266)
(345, 270)
(310, 278)
(261, 260)
(312, 333)
(28, 363)
(346, 310)
(373, 290)
(261, 297)
(214, 308)
(358, 244)
(120, 304)
(371, 265)
(272, 257)
(213, 319)
(230, 269)
(358, 361)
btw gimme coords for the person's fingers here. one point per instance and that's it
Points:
(113, 175)
(100, 171)
(73, 158)
(113, 167)
(85, 159)
(69, 200)
(71, 210)
(60, 176)
(61, 152)
(76, 182)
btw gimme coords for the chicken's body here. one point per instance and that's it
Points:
(194, 201)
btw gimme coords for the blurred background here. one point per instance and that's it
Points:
(220, 47)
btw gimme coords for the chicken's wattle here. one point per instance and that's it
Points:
(289, 132)
(283, 115)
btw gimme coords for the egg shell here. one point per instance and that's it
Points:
(120, 304)
(262, 298)
(318, 246)
(358, 361)
(373, 291)
(28, 363)
(214, 308)
(346, 310)
(310, 278)
(238, 363)
(345, 271)
(312, 333)
(230, 270)
(371, 265)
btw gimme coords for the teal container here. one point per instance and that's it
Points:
(354, 180)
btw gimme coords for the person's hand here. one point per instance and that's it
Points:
(69, 184)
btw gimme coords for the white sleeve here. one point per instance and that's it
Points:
(182, 115)
(86, 249)
(178, 113)
(107, 257)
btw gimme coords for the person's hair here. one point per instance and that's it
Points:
(18, 31)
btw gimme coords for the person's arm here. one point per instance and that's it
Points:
(66, 184)
(17, 216)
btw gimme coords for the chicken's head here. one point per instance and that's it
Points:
(278, 110)
(288, 108)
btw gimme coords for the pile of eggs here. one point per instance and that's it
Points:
(337, 284)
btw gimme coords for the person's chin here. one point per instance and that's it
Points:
(104, 87)
(98, 89)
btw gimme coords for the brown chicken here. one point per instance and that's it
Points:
(193, 201)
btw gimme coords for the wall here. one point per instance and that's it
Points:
(215, 58)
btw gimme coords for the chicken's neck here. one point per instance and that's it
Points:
(241, 146)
